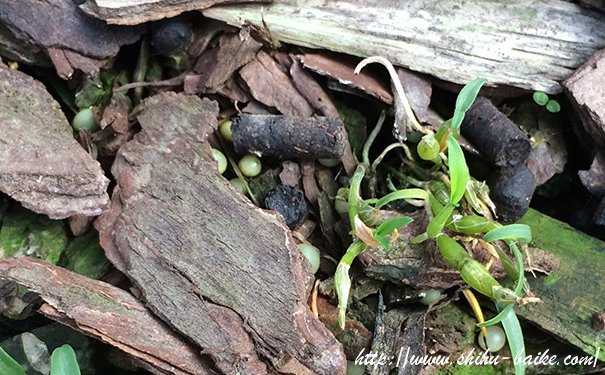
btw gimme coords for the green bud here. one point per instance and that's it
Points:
(311, 253)
(221, 160)
(85, 120)
(250, 165)
(541, 98)
(342, 285)
(472, 224)
(224, 128)
(452, 252)
(428, 147)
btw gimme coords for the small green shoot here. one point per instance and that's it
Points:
(540, 97)
(63, 361)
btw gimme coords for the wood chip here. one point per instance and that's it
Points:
(41, 164)
(238, 257)
(215, 66)
(60, 24)
(586, 90)
(341, 68)
(281, 93)
(106, 313)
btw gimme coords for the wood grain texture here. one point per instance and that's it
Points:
(134, 12)
(41, 164)
(527, 44)
(586, 90)
(61, 24)
(192, 244)
(107, 313)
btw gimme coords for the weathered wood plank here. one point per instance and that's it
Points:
(134, 12)
(574, 292)
(527, 44)
(41, 164)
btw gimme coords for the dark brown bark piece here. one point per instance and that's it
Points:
(192, 245)
(116, 114)
(41, 164)
(511, 189)
(134, 12)
(498, 139)
(586, 90)
(106, 313)
(341, 67)
(312, 91)
(288, 137)
(280, 93)
(60, 24)
(215, 66)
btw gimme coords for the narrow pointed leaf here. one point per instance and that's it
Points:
(438, 223)
(459, 175)
(509, 232)
(413, 193)
(465, 99)
(514, 336)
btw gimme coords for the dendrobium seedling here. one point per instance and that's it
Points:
(455, 203)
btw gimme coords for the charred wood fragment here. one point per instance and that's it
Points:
(494, 135)
(288, 138)
(511, 189)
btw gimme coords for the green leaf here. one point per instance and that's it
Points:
(498, 318)
(514, 336)
(509, 232)
(383, 232)
(413, 193)
(465, 99)
(541, 98)
(8, 366)
(553, 106)
(342, 281)
(354, 192)
(459, 175)
(438, 222)
(63, 361)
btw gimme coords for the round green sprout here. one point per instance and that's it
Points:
(225, 129)
(221, 160)
(250, 165)
(541, 98)
(311, 253)
(428, 147)
(85, 120)
(494, 341)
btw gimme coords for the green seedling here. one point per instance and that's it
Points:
(455, 202)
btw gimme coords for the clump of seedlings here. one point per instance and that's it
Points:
(458, 207)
